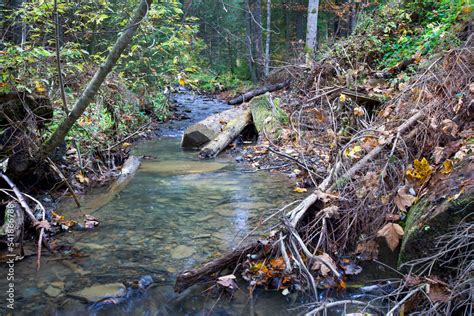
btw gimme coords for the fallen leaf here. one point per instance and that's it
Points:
(91, 222)
(358, 111)
(342, 98)
(438, 154)
(392, 233)
(323, 269)
(353, 152)
(404, 199)
(447, 167)
(285, 292)
(300, 190)
(421, 170)
(126, 145)
(277, 263)
(367, 250)
(227, 281)
(438, 293)
(449, 127)
(82, 179)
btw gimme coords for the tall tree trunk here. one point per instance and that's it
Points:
(93, 86)
(267, 44)
(257, 36)
(353, 17)
(248, 41)
(312, 28)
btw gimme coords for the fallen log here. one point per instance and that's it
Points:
(206, 130)
(190, 277)
(231, 131)
(253, 93)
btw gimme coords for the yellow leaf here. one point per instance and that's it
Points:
(353, 152)
(181, 82)
(342, 97)
(300, 190)
(421, 170)
(39, 87)
(447, 167)
(82, 179)
(126, 145)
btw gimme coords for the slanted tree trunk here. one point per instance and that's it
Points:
(233, 129)
(267, 44)
(312, 29)
(93, 86)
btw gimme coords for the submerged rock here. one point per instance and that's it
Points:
(98, 292)
(182, 252)
(52, 291)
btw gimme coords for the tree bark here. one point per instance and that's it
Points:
(253, 93)
(256, 11)
(248, 42)
(231, 131)
(93, 86)
(267, 44)
(312, 29)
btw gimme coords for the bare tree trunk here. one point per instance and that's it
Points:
(267, 44)
(93, 86)
(58, 58)
(312, 29)
(248, 41)
(256, 11)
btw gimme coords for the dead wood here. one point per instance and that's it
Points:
(259, 91)
(230, 132)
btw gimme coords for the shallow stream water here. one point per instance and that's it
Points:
(176, 212)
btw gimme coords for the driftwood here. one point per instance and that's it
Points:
(191, 277)
(253, 93)
(206, 130)
(230, 132)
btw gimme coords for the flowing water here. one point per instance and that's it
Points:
(175, 213)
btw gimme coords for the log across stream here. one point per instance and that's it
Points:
(177, 212)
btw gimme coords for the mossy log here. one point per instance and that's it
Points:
(267, 118)
(208, 129)
(230, 132)
(450, 199)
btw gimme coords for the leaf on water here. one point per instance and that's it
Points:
(227, 281)
(404, 199)
(91, 222)
(392, 233)
(300, 190)
(368, 250)
(285, 292)
(421, 170)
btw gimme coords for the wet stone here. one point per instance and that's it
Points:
(98, 292)
(182, 252)
(52, 291)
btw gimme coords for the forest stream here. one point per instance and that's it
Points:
(175, 213)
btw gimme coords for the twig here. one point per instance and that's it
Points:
(61, 175)
(344, 302)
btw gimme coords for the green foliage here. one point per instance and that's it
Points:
(212, 83)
